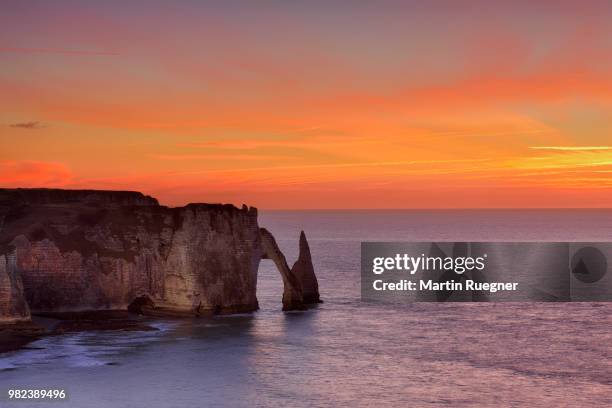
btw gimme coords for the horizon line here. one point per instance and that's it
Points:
(433, 209)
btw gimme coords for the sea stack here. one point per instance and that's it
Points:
(304, 271)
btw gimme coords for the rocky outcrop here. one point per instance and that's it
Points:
(304, 271)
(292, 286)
(87, 250)
(300, 286)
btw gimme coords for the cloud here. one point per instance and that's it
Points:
(18, 50)
(214, 156)
(27, 125)
(34, 174)
(571, 148)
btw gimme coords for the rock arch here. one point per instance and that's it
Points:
(300, 286)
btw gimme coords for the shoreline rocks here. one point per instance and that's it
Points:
(17, 335)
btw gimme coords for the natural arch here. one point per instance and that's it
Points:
(300, 286)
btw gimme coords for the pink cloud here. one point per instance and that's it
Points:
(34, 174)
(20, 50)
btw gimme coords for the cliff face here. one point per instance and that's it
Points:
(13, 306)
(103, 250)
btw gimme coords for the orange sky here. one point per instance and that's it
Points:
(318, 105)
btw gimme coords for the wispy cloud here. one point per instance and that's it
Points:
(27, 125)
(342, 165)
(214, 156)
(571, 148)
(19, 50)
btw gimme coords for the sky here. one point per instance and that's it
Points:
(313, 104)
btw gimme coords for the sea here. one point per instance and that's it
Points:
(345, 351)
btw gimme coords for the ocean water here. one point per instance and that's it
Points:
(346, 352)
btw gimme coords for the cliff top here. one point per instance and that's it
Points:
(33, 196)
(11, 197)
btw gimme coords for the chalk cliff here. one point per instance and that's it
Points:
(13, 306)
(88, 250)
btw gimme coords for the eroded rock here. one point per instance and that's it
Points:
(87, 250)
(304, 271)
(13, 306)
(293, 298)
(300, 286)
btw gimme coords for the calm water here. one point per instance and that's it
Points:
(347, 352)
